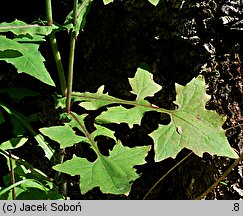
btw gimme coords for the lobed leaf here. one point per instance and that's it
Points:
(113, 174)
(120, 114)
(192, 126)
(93, 101)
(64, 135)
(21, 28)
(143, 85)
(26, 58)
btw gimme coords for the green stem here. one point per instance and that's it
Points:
(12, 175)
(55, 50)
(71, 58)
(87, 134)
(49, 12)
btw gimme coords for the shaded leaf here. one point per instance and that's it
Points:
(25, 123)
(18, 93)
(13, 143)
(2, 119)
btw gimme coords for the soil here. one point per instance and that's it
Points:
(119, 37)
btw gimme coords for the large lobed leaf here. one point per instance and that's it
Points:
(192, 126)
(113, 174)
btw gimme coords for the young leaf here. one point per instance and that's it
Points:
(26, 58)
(143, 85)
(113, 174)
(83, 9)
(64, 135)
(154, 2)
(107, 1)
(192, 126)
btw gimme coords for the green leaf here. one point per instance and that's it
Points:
(102, 131)
(143, 85)
(107, 1)
(26, 58)
(120, 114)
(83, 9)
(18, 129)
(113, 174)
(93, 101)
(78, 122)
(21, 28)
(154, 2)
(25, 123)
(13, 143)
(192, 126)
(64, 135)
